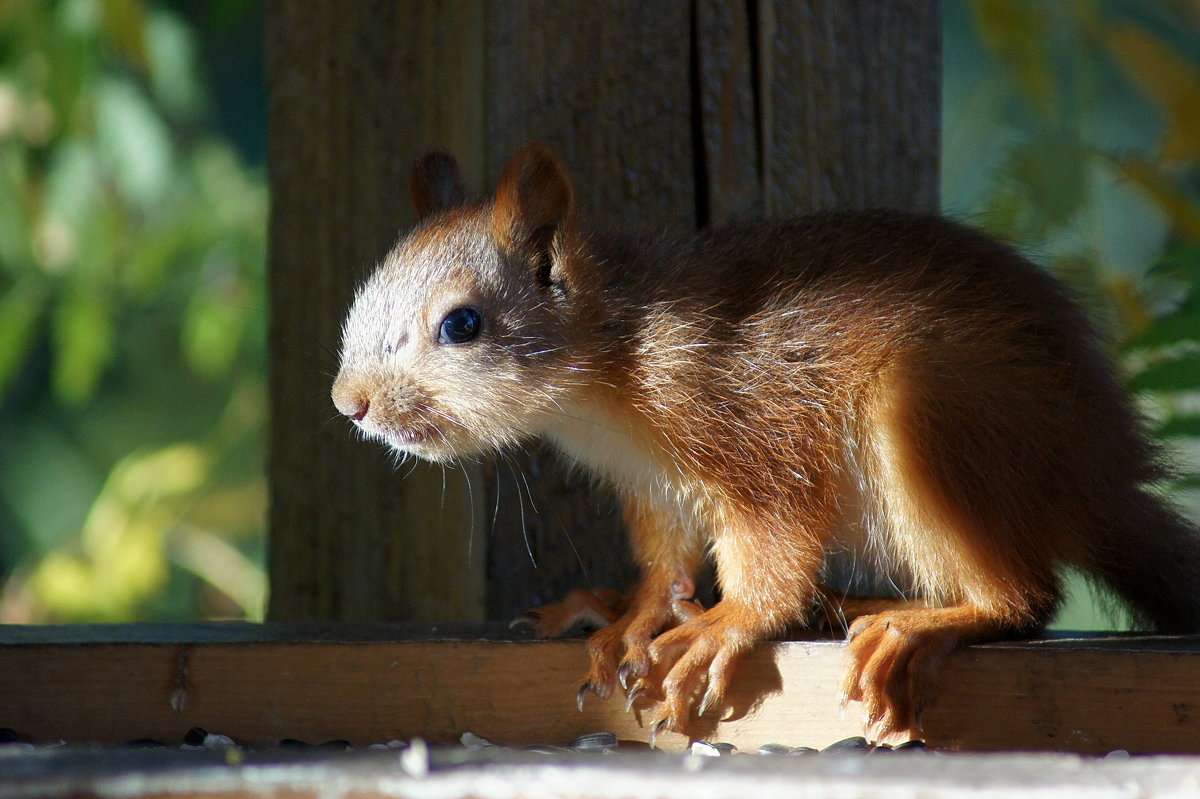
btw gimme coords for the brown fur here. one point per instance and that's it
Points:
(758, 391)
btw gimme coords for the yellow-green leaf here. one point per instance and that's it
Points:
(1180, 208)
(20, 308)
(83, 344)
(1015, 31)
(1168, 79)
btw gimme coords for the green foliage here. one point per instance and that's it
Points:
(1094, 107)
(131, 324)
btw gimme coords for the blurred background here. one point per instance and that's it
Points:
(133, 211)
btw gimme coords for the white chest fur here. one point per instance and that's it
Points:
(609, 446)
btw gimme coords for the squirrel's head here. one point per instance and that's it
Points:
(461, 341)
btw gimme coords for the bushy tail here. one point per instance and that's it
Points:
(1150, 557)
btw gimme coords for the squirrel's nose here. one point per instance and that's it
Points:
(352, 404)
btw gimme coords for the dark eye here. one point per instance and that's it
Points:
(460, 326)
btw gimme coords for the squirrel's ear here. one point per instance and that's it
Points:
(435, 184)
(534, 202)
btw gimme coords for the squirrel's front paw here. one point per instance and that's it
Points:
(699, 655)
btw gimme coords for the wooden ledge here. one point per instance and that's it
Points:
(459, 774)
(370, 683)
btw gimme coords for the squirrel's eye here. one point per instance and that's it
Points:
(460, 326)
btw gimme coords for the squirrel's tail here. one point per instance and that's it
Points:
(1150, 557)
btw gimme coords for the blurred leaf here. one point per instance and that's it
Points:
(50, 487)
(1043, 185)
(20, 309)
(1131, 306)
(173, 68)
(1182, 324)
(73, 181)
(1169, 375)
(83, 344)
(134, 142)
(1180, 208)
(171, 471)
(1185, 426)
(125, 22)
(1015, 31)
(1167, 78)
(212, 333)
(1053, 171)
(223, 566)
(1181, 262)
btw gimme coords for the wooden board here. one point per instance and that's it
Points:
(366, 684)
(441, 773)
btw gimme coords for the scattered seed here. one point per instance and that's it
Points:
(195, 736)
(294, 743)
(856, 743)
(145, 743)
(595, 740)
(415, 759)
(545, 749)
(774, 749)
(473, 741)
(218, 743)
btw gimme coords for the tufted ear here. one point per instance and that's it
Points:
(435, 184)
(534, 204)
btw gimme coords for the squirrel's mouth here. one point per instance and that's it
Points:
(413, 437)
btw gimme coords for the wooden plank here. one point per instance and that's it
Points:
(446, 773)
(850, 104)
(607, 85)
(356, 90)
(261, 684)
(728, 111)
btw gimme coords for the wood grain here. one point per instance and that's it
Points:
(368, 684)
(356, 91)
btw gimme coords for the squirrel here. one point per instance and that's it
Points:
(765, 394)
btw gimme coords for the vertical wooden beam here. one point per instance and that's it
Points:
(356, 90)
(607, 85)
(849, 104)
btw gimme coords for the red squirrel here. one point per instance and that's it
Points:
(900, 385)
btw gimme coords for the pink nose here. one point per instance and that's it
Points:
(351, 404)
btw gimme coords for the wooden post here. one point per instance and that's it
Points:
(667, 114)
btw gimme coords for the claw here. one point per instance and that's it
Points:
(529, 618)
(709, 701)
(583, 692)
(656, 728)
(623, 675)
(638, 689)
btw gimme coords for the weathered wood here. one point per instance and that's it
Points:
(453, 774)
(361, 683)
(667, 114)
(615, 104)
(443, 773)
(849, 98)
(356, 90)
